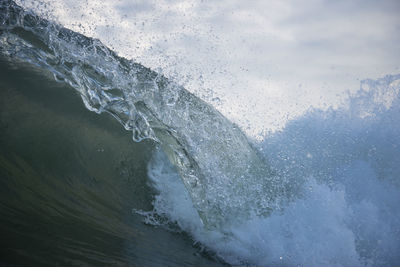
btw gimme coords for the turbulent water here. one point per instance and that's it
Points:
(211, 154)
(323, 191)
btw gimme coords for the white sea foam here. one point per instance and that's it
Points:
(344, 167)
(341, 164)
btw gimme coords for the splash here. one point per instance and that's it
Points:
(224, 175)
(343, 168)
(328, 195)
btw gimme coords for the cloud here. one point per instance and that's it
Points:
(250, 51)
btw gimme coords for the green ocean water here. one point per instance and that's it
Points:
(69, 179)
(75, 189)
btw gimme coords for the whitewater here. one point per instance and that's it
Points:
(321, 188)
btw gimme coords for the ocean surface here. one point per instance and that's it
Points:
(105, 162)
(69, 181)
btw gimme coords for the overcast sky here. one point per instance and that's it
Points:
(266, 60)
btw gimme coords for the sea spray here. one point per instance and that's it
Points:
(332, 198)
(227, 179)
(343, 166)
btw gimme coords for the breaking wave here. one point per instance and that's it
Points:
(327, 195)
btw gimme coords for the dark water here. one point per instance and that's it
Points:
(69, 179)
(324, 191)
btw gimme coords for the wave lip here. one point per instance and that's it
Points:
(329, 198)
(225, 176)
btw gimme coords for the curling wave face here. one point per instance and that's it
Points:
(329, 196)
(216, 162)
